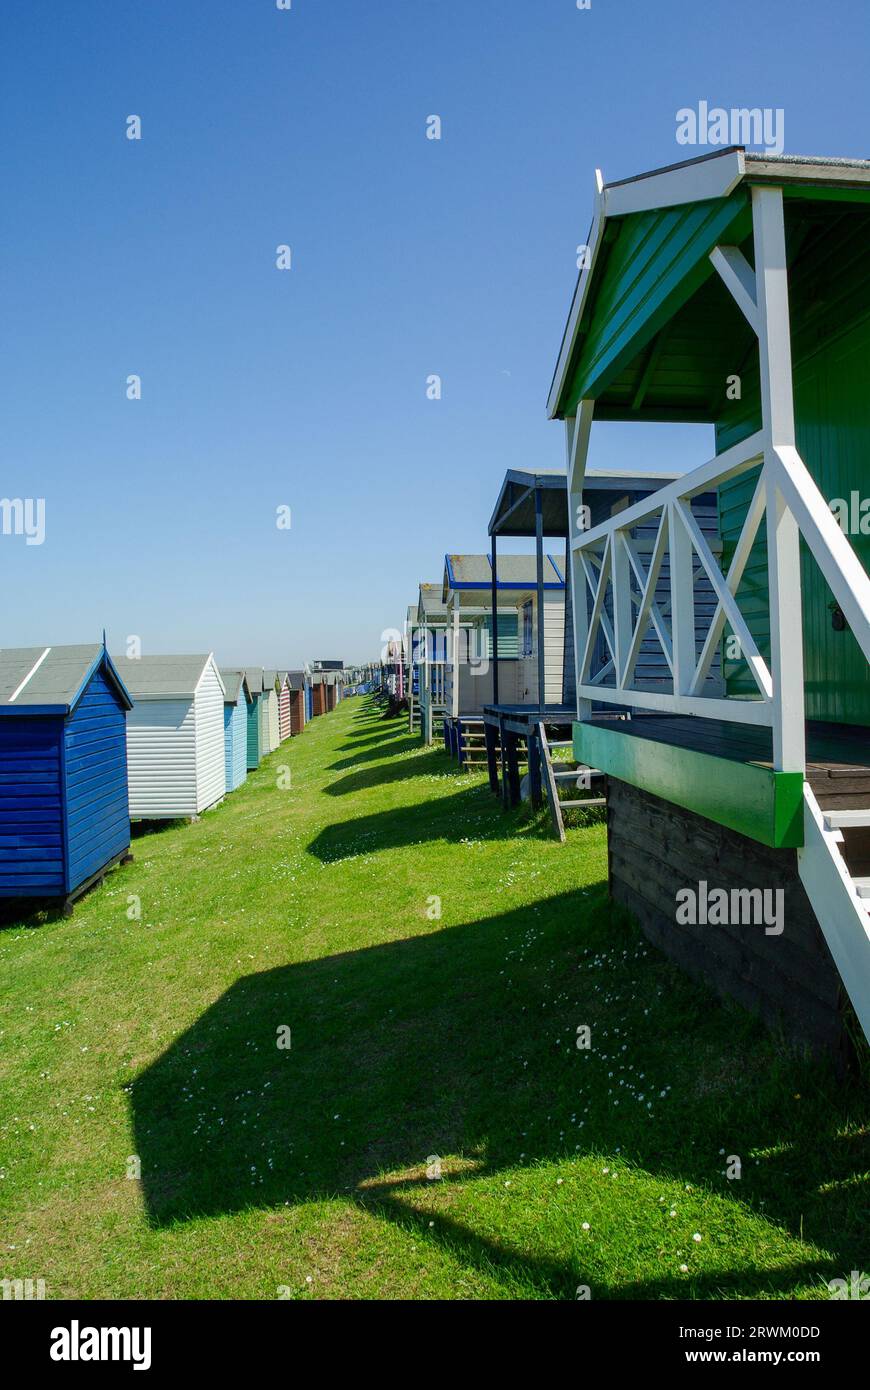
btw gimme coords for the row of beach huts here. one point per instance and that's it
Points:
(89, 742)
(695, 644)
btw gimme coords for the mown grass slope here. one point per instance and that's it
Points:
(430, 960)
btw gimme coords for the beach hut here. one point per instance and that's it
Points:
(309, 696)
(734, 290)
(269, 723)
(237, 698)
(176, 763)
(533, 503)
(429, 653)
(64, 816)
(284, 720)
(298, 695)
(479, 664)
(256, 747)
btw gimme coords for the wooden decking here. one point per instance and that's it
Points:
(838, 755)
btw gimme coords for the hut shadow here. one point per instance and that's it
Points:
(470, 814)
(139, 829)
(425, 765)
(389, 1062)
(408, 743)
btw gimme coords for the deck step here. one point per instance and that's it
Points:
(561, 776)
(862, 887)
(846, 820)
(593, 801)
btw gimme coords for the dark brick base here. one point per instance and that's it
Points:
(789, 981)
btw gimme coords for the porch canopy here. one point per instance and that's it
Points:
(534, 502)
(654, 332)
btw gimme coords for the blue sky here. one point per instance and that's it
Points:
(307, 388)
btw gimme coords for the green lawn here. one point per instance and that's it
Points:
(302, 1172)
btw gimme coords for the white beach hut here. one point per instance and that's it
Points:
(176, 762)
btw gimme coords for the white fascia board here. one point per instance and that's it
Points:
(715, 177)
(576, 312)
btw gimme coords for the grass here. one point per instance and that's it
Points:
(419, 1044)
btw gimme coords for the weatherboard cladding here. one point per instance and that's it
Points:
(63, 780)
(284, 723)
(253, 736)
(235, 728)
(268, 719)
(175, 741)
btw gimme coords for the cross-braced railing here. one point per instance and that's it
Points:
(624, 589)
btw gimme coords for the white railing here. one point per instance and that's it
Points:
(623, 606)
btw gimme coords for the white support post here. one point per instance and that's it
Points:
(682, 602)
(454, 693)
(783, 535)
(623, 629)
(577, 437)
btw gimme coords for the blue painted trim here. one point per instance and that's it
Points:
(556, 568)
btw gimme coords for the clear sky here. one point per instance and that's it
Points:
(306, 388)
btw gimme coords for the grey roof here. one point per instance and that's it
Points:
(161, 677)
(296, 679)
(235, 686)
(431, 604)
(514, 571)
(254, 677)
(269, 679)
(50, 677)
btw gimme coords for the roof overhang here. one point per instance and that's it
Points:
(711, 179)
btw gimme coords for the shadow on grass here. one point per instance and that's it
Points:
(426, 765)
(448, 1043)
(470, 814)
(386, 748)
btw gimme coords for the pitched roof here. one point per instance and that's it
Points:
(254, 677)
(235, 686)
(431, 604)
(162, 677)
(696, 204)
(296, 679)
(53, 678)
(514, 572)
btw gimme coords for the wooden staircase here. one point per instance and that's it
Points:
(851, 832)
(566, 775)
(834, 867)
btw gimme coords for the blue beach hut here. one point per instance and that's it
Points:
(237, 699)
(64, 816)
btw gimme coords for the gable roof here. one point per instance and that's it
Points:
(163, 677)
(235, 686)
(652, 331)
(296, 680)
(254, 677)
(52, 680)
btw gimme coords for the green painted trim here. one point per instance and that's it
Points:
(755, 801)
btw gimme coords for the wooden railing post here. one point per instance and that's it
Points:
(783, 536)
